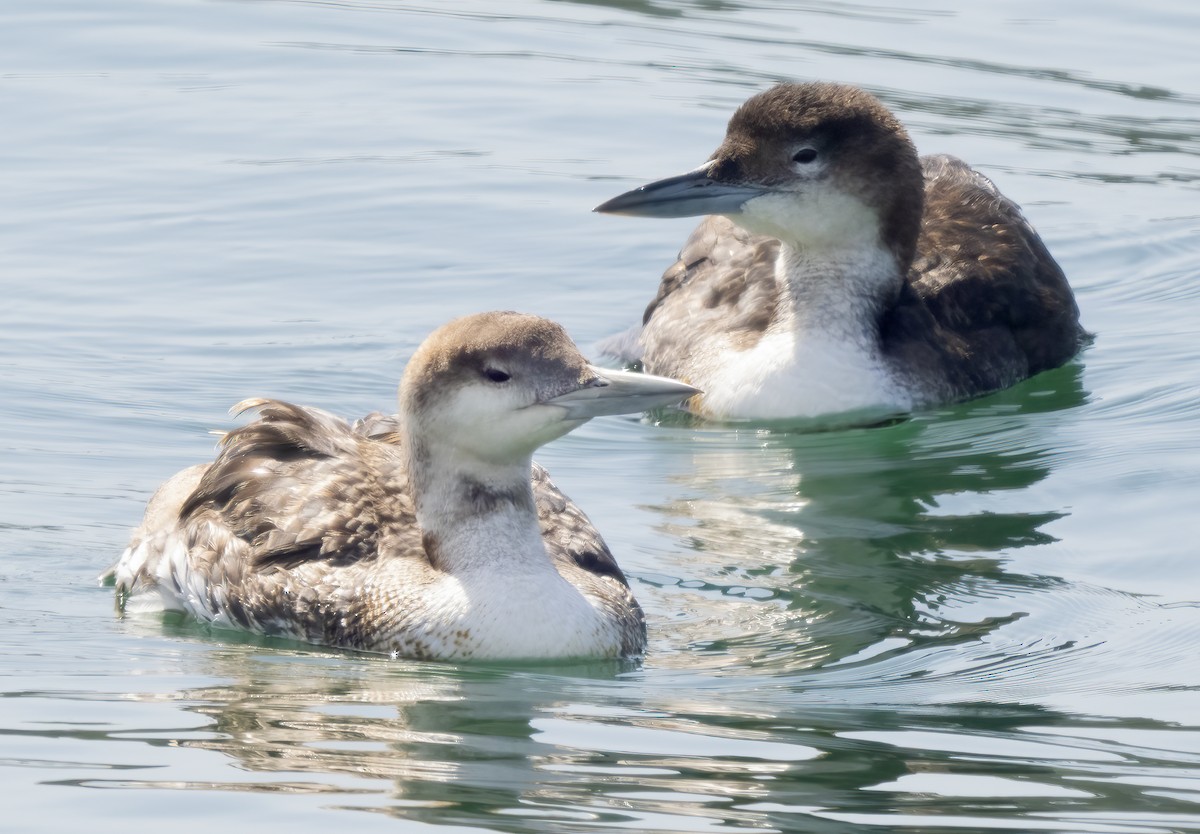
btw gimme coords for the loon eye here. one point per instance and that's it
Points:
(805, 155)
(497, 375)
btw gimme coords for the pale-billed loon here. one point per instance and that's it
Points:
(430, 534)
(842, 273)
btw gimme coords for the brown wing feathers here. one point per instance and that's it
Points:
(294, 486)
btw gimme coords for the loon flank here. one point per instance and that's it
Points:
(431, 534)
(841, 273)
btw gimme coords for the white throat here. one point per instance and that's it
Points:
(475, 511)
(821, 353)
(498, 589)
(834, 271)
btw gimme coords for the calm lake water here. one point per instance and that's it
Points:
(981, 618)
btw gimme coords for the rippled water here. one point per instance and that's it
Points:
(980, 618)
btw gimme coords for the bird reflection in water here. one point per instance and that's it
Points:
(804, 549)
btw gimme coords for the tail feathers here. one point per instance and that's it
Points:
(625, 346)
(282, 427)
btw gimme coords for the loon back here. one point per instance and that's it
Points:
(984, 304)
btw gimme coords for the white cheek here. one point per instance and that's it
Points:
(494, 423)
(475, 417)
(817, 218)
(479, 403)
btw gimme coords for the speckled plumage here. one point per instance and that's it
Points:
(938, 290)
(308, 527)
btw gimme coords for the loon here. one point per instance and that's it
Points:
(430, 534)
(840, 273)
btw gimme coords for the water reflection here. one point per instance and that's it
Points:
(800, 550)
(449, 745)
(590, 748)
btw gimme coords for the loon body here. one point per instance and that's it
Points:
(430, 534)
(839, 272)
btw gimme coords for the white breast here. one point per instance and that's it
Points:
(789, 375)
(478, 618)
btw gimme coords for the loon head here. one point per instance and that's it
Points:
(822, 167)
(495, 386)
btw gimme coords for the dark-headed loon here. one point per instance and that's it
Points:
(840, 272)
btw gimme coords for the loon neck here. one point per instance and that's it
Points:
(475, 515)
(839, 292)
